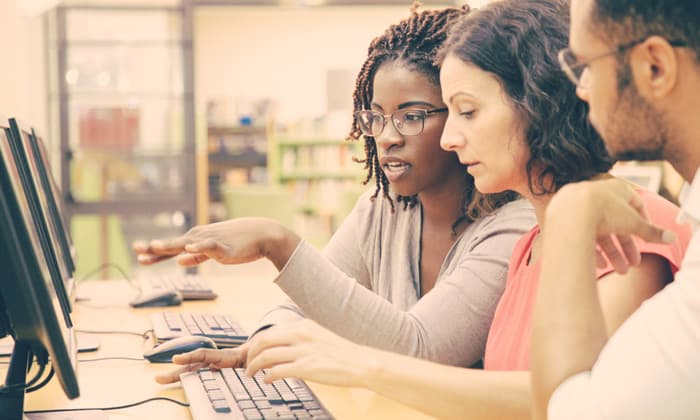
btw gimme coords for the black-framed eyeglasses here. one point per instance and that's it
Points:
(408, 122)
(574, 68)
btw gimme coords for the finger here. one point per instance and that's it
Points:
(646, 230)
(208, 356)
(273, 356)
(629, 249)
(607, 246)
(214, 250)
(600, 261)
(139, 247)
(274, 336)
(191, 260)
(285, 370)
(148, 259)
(168, 246)
(653, 233)
(206, 245)
(638, 204)
(174, 375)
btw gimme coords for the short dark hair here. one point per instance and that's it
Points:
(415, 42)
(518, 41)
(623, 21)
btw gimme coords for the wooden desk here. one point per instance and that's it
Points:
(245, 292)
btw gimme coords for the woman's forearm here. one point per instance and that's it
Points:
(445, 391)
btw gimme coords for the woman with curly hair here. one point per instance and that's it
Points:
(420, 263)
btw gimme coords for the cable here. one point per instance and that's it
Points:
(112, 358)
(89, 305)
(106, 265)
(42, 383)
(118, 407)
(5, 362)
(143, 335)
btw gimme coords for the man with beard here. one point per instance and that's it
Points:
(636, 63)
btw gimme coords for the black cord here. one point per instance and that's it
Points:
(118, 407)
(89, 305)
(143, 335)
(112, 358)
(7, 362)
(107, 265)
(42, 383)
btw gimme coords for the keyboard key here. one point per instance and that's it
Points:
(210, 385)
(215, 395)
(246, 404)
(252, 414)
(221, 406)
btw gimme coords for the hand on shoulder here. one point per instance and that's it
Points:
(608, 212)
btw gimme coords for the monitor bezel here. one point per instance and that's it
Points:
(55, 213)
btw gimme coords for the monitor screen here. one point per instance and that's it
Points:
(47, 231)
(53, 194)
(30, 306)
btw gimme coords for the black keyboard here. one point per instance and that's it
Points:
(190, 286)
(220, 328)
(230, 394)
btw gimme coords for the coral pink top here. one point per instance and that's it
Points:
(508, 343)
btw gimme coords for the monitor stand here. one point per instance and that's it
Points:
(12, 401)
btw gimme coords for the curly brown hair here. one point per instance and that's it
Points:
(415, 42)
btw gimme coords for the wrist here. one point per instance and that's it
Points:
(278, 244)
(369, 371)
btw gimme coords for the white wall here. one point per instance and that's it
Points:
(22, 75)
(283, 53)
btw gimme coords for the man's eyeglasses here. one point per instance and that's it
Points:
(574, 69)
(408, 122)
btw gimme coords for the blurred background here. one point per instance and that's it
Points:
(163, 114)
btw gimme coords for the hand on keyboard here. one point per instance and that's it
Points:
(307, 351)
(205, 358)
(234, 241)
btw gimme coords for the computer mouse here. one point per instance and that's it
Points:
(157, 297)
(163, 353)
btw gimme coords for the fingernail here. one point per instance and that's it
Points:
(668, 237)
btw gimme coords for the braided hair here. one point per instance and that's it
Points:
(415, 42)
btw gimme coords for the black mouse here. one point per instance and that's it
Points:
(163, 353)
(157, 297)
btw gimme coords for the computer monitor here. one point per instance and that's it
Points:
(30, 308)
(47, 230)
(54, 195)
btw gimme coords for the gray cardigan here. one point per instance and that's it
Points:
(365, 285)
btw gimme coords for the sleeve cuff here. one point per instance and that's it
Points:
(260, 328)
(289, 269)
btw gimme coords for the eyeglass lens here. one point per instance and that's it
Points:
(407, 122)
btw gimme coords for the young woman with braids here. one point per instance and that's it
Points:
(515, 121)
(419, 264)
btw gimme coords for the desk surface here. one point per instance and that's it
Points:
(245, 292)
